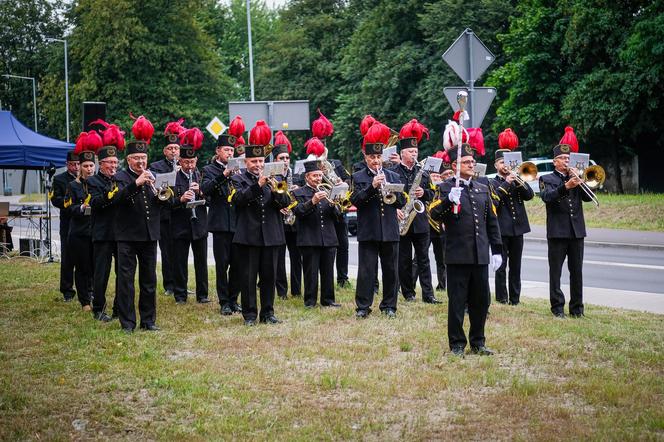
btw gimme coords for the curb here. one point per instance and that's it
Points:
(654, 247)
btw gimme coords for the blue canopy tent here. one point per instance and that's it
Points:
(21, 148)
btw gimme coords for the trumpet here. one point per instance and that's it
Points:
(526, 171)
(277, 186)
(163, 193)
(343, 202)
(592, 178)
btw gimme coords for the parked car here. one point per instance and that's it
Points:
(351, 217)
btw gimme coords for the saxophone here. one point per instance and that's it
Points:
(289, 218)
(413, 206)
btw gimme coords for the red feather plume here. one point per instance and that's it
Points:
(142, 128)
(315, 146)
(281, 138)
(413, 129)
(175, 127)
(366, 123)
(112, 135)
(236, 128)
(377, 133)
(88, 141)
(476, 140)
(239, 141)
(322, 127)
(80, 142)
(570, 139)
(508, 139)
(192, 137)
(260, 134)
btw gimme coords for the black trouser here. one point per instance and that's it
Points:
(341, 228)
(467, 284)
(315, 260)
(166, 249)
(258, 260)
(226, 270)
(438, 243)
(368, 253)
(181, 267)
(295, 267)
(419, 242)
(129, 252)
(512, 250)
(104, 251)
(572, 248)
(66, 262)
(81, 248)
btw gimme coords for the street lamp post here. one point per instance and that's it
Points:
(251, 55)
(34, 92)
(66, 81)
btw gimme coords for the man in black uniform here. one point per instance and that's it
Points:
(377, 233)
(316, 237)
(137, 232)
(217, 187)
(189, 228)
(513, 222)
(58, 197)
(280, 153)
(341, 229)
(565, 230)
(260, 230)
(470, 232)
(167, 165)
(103, 189)
(417, 236)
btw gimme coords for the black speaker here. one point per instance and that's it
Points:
(93, 110)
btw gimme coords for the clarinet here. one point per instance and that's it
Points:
(193, 209)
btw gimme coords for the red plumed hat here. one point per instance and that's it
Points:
(413, 129)
(239, 141)
(80, 142)
(192, 137)
(570, 139)
(315, 147)
(142, 128)
(322, 127)
(280, 138)
(377, 133)
(175, 127)
(88, 141)
(508, 140)
(476, 140)
(441, 154)
(236, 128)
(260, 134)
(112, 135)
(366, 123)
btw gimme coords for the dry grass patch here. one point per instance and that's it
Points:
(321, 374)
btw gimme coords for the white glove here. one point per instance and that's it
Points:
(455, 195)
(496, 262)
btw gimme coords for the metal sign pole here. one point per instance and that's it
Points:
(251, 53)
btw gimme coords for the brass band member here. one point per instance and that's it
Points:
(217, 187)
(137, 232)
(417, 236)
(260, 228)
(165, 165)
(437, 229)
(470, 232)
(565, 226)
(189, 224)
(377, 226)
(103, 189)
(512, 218)
(58, 197)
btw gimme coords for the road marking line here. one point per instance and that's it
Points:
(604, 263)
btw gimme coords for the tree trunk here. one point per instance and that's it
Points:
(616, 168)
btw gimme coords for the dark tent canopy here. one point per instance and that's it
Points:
(21, 148)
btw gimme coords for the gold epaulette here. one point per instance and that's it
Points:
(113, 191)
(67, 202)
(50, 195)
(230, 197)
(87, 199)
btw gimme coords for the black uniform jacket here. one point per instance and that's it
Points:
(315, 222)
(564, 208)
(79, 223)
(376, 221)
(420, 223)
(103, 205)
(217, 188)
(163, 166)
(138, 211)
(471, 231)
(259, 220)
(512, 216)
(60, 193)
(183, 224)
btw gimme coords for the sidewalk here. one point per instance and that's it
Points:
(609, 237)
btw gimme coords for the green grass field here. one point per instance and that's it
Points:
(321, 374)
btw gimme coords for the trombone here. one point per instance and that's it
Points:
(592, 178)
(343, 203)
(526, 171)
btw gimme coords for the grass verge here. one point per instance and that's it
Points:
(321, 374)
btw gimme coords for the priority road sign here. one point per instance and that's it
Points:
(216, 127)
(478, 102)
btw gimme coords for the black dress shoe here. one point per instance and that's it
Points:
(501, 301)
(432, 301)
(309, 306)
(236, 307)
(270, 320)
(361, 314)
(102, 316)
(332, 304)
(481, 350)
(560, 315)
(203, 300)
(169, 292)
(458, 351)
(410, 299)
(149, 327)
(576, 315)
(226, 310)
(391, 314)
(344, 283)
(250, 322)
(128, 330)
(68, 299)
(440, 288)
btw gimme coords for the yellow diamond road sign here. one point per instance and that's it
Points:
(216, 127)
